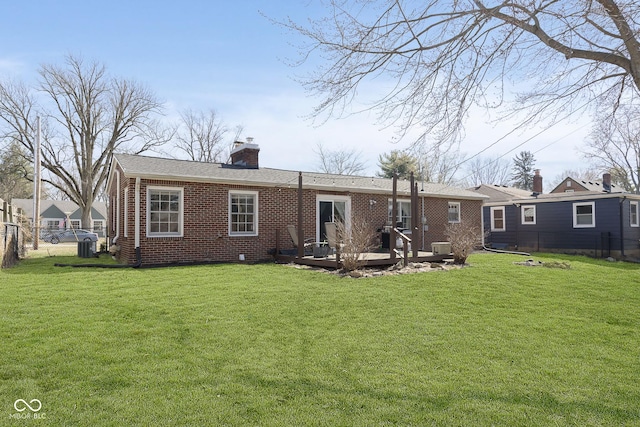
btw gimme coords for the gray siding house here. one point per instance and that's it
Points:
(595, 223)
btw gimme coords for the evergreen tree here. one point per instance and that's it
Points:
(523, 164)
(397, 162)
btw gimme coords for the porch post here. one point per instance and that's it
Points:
(414, 217)
(300, 230)
(394, 217)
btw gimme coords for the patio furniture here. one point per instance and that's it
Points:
(332, 239)
(308, 243)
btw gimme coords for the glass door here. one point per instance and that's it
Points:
(331, 209)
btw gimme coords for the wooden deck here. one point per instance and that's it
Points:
(370, 259)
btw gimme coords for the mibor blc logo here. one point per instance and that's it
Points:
(28, 409)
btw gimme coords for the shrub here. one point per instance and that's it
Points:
(354, 242)
(464, 238)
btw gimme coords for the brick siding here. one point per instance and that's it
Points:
(206, 236)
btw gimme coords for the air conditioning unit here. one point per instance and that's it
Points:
(86, 249)
(441, 248)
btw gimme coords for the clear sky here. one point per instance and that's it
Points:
(227, 56)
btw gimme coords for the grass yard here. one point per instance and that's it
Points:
(270, 345)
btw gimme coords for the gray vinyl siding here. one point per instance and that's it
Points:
(554, 229)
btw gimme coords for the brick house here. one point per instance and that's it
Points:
(178, 211)
(570, 185)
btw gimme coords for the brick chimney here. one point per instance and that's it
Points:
(606, 182)
(245, 154)
(537, 182)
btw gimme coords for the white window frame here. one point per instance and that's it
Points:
(333, 198)
(495, 209)
(74, 224)
(457, 204)
(523, 217)
(592, 224)
(255, 213)
(180, 232)
(404, 219)
(633, 223)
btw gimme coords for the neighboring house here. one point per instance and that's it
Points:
(63, 214)
(570, 185)
(177, 211)
(595, 223)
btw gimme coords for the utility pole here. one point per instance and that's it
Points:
(36, 188)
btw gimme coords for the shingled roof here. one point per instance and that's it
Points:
(186, 170)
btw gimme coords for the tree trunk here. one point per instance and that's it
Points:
(86, 219)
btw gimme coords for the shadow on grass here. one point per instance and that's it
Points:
(599, 262)
(545, 404)
(46, 265)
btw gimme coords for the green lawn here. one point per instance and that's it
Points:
(241, 345)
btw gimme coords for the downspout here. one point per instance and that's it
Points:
(137, 225)
(484, 246)
(498, 251)
(117, 208)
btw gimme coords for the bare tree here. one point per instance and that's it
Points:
(341, 162)
(439, 164)
(91, 115)
(202, 136)
(15, 173)
(437, 58)
(614, 145)
(487, 170)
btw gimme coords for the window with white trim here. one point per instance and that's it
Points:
(454, 212)
(75, 224)
(528, 214)
(584, 215)
(403, 209)
(165, 211)
(497, 219)
(243, 213)
(633, 214)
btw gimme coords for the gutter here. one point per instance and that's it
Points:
(500, 251)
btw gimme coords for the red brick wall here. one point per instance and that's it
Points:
(206, 236)
(437, 213)
(563, 187)
(246, 156)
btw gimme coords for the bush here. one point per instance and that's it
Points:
(464, 238)
(354, 242)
